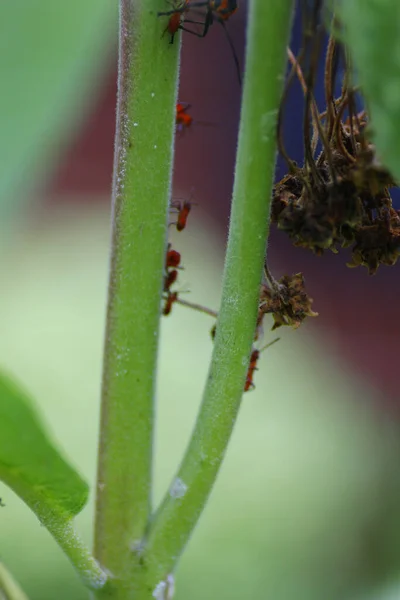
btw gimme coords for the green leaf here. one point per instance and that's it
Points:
(51, 54)
(29, 462)
(372, 32)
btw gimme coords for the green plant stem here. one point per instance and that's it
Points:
(9, 588)
(147, 84)
(86, 566)
(61, 527)
(267, 38)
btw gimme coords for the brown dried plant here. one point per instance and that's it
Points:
(340, 197)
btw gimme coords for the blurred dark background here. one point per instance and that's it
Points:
(356, 311)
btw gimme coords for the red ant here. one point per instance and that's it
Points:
(170, 279)
(172, 262)
(184, 209)
(216, 10)
(169, 301)
(173, 259)
(255, 355)
(171, 297)
(252, 367)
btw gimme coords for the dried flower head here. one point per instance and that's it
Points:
(287, 301)
(340, 197)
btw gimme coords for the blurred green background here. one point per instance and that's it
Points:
(306, 506)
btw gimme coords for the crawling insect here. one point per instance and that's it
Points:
(183, 207)
(182, 118)
(173, 258)
(255, 355)
(177, 18)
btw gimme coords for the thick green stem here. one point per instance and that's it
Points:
(267, 38)
(148, 71)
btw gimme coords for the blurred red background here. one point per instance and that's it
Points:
(357, 322)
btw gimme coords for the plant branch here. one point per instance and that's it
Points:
(147, 84)
(86, 566)
(60, 525)
(267, 38)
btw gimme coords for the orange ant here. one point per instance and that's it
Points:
(177, 18)
(255, 355)
(182, 119)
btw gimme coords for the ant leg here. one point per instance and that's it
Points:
(196, 33)
(198, 307)
(209, 20)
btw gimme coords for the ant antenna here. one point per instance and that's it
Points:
(269, 344)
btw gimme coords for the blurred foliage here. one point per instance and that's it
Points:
(372, 32)
(50, 56)
(30, 464)
(306, 504)
(9, 587)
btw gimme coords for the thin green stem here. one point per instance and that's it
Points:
(61, 526)
(267, 38)
(86, 566)
(147, 84)
(9, 588)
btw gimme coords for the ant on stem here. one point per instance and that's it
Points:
(255, 355)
